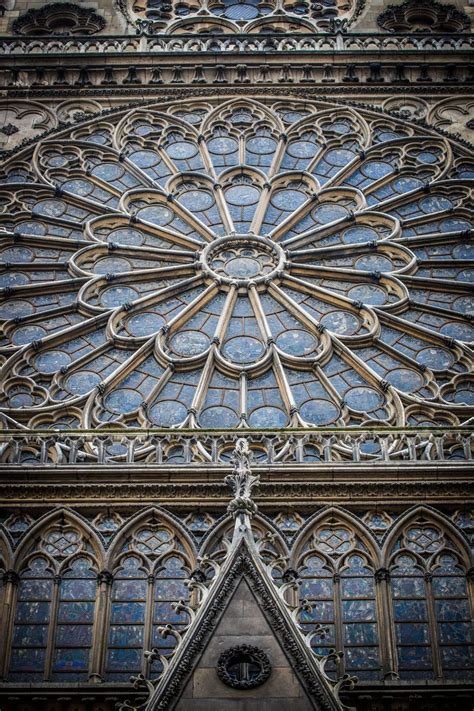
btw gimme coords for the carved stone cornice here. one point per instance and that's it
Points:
(459, 490)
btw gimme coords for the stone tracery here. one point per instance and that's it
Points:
(238, 265)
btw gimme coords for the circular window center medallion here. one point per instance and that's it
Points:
(243, 258)
(243, 667)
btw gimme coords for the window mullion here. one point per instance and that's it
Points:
(387, 644)
(338, 620)
(53, 621)
(437, 667)
(101, 626)
(148, 629)
(10, 594)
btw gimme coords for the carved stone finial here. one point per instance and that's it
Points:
(242, 481)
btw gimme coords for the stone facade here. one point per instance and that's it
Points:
(125, 130)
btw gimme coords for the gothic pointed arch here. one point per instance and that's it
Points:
(58, 563)
(428, 513)
(428, 563)
(337, 560)
(150, 561)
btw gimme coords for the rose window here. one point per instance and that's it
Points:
(239, 265)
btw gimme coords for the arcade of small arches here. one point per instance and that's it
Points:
(87, 598)
(237, 265)
(240, 16)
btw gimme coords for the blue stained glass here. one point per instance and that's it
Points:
(242, 195)
(376, 169)
(450, 610)
(404, 379)
(288, 199)
(26, 659)
(243, 349)
(32, 612)
(117, 295)
(35, 589)
(342, 322)
(128, 612)
(408, 587)
(412, 633)
(29, 635)
(126, 635)
(164, 613)
(319, 412)
(296, 342)
(301, 149)
(458, 656)
(123, 400)
(170, 590)
(130, 589)
(361, 657)
(455, 632)
(222, 145)
(121, 659)
(449, 586)
(363, 399)
(368, 294)
(410, 610)
(76, 611)
(357, 587)
(217, 417)
(189, 343)
(51, 361)
(339, 157)
(373, 262)
(167, 413)
(181, 150)
(267, 417)
(358, 610)
(316, 588)
(322, 612)
(78, 589)
(436, 358)
(415, 657)
(329, 212)
(360, 634)
(74, 635)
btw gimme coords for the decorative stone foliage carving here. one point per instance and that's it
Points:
(59, 18)
(423, 16)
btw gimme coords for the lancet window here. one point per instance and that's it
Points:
(148, 585)
(54, 615)
(337, 575)
(431, 610)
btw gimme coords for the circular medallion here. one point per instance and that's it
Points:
(244, 258)
(243, 667)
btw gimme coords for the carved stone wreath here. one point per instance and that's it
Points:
(231, 657)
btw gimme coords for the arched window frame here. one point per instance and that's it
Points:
(361, 545)
(58, 568)
(453, 545)
(124, 547)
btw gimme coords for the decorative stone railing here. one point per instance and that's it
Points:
(338, 447)
(302, 43)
